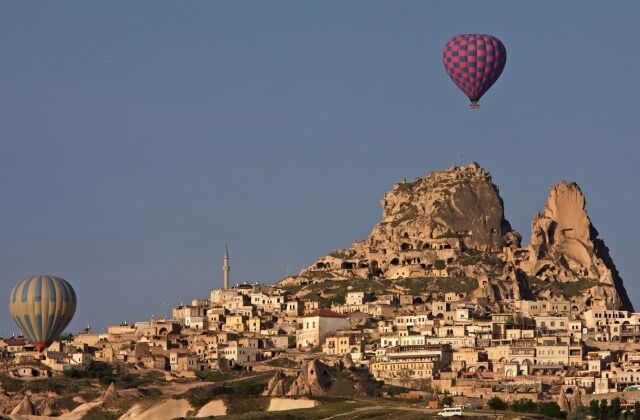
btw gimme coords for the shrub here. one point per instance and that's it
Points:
(524, 406)
(57, 385)
(66, 403)
(551, 409)
(98, 413)
(580, 413)
(497, 403)
(104, 372)
(11, 384)
(213, 375)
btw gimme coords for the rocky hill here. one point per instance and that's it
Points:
(565, 248)
(449, 229)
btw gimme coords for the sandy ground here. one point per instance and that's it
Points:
(76, 414)
(281, 404)
(168, 409)
(213, 408)
(165, 410)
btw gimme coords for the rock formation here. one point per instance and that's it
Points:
(25, 408)
(565, 248)
(347, 361)
(314, 378)
(276, 385)
(322, 378)
(48, 409)
(425, 223)
(576, 400)
(451, 226)
(563, 402)
(110, 394)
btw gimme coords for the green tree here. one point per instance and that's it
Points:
(615, 410)
(580, 413)
(524, 406)
(551, 409)
(497, 403)
(447, 400)
(594, 408)
(636, 410)
(291, 341)
(603, 412)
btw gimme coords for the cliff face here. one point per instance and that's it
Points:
(565, 248)
(426, 223)
(460, 201)
(451, 224)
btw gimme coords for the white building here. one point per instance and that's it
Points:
(314, 327)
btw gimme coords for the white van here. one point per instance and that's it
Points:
(450, 412)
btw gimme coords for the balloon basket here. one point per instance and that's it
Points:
(474, 105)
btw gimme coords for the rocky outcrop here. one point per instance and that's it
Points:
(110, 394)
(347, 361)
(314, 378)
(48, 408)
(324, 378)
(451, 226)
(276, 385)
(576, 400)
(565, 248)
(25, 408)
(425, 225)
(563, 402)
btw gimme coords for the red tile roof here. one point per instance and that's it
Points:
(15, 341)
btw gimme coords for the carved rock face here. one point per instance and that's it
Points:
(275, 387)
(427, 220)
(460, 201)
(451, 224)
(565, 247)
(563, 219)
(314, 378)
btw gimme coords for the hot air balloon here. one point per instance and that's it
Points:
(474, 62)
(42, 306)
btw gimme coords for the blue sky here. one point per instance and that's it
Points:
(136, 138)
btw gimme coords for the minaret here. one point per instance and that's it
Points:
(225, 267)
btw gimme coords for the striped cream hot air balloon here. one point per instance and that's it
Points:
(42, 306)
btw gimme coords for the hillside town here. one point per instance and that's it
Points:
(538, 350)
(472, 331)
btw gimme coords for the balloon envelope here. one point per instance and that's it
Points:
(474, 62)
(42, 306)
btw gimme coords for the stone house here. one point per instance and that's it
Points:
(315, 326)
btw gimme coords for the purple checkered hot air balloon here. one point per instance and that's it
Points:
(474, 62)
